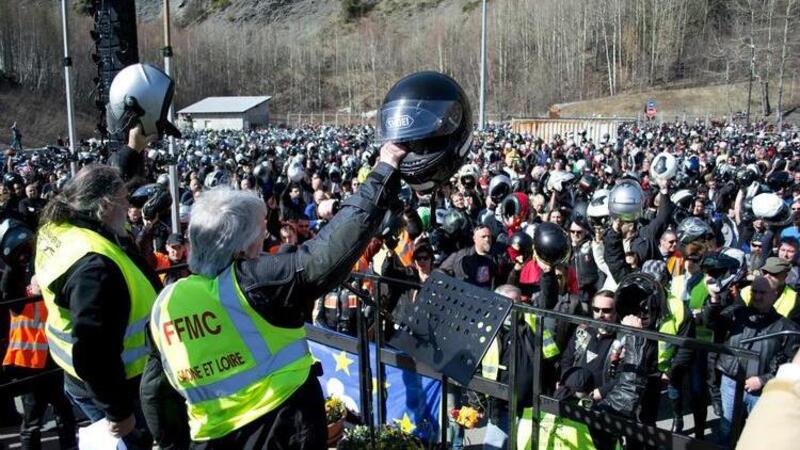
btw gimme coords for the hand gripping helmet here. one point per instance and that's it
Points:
(724, 268)
(141, 93)
(625, 201)
(14, 235)
(693, 229)
(551, 244)
(664, 166)
(772, 209)
(429, 114)
(499, 188)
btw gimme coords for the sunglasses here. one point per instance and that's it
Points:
(576, 231)
(602, 310)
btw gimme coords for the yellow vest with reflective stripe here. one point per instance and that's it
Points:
(555, 433)
(58, 247)
(549, 347)
(784, 304)
(697, 299)
(490, 364)
(670, 325)
(229, 363)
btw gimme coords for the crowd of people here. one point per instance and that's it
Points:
(690, 229)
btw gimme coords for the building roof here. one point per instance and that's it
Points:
(224, 105)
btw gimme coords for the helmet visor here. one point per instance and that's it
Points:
(410, 120)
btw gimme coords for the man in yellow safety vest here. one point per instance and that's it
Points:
(230, 339)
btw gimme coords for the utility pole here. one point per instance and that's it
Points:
(750, 85)
(482, 112)
(68, 90)
(173, 169)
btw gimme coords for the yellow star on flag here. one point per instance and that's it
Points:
(375, 384)
(343, 362)
(406, 425)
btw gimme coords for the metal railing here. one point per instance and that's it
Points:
(617, 425)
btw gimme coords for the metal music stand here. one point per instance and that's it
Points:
(450, 325)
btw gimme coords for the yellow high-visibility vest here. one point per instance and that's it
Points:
(228, 362)
(58, 247)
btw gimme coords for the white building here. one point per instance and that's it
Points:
(226, 113)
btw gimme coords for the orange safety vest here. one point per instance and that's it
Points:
(162, 262)
(405, 249)
(27, 342)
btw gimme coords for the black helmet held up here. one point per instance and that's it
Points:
(430, 115)
(641, 295)
(551, 244)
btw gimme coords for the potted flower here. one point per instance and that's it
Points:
(388, 437)
(335, 413)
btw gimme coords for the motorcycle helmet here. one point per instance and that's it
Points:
(499, 188)
(772, 209)
(295, 172)
(144, 193)
(558, 181)
(551, 244)
(723, 269)
(691, 166)
(640, 294)
(214, 179)
(522, 244)
(779, 180)
(468, 175)
(141, 93)
(597, 211)
(14, 235)
(455, 223)
(514, 209)
(693, 229)
(625, 201)
(588, 183)
(430, 115)
(683, 198)
(664, 166)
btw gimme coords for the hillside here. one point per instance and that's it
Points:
(312, 56)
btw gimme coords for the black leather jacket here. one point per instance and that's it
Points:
(283, 289)
(739, 322)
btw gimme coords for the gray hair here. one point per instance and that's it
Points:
(91, 193)
(509, 290)
(224, 222)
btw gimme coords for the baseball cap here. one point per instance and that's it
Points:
(175, 239)
(774, 265)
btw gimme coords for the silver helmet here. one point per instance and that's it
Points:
(141, 93)
(664, 166)
(626, 200)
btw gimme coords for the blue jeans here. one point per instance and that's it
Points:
(138, 439)
(728, 392)
(455, 433)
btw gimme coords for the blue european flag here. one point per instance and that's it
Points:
(412, 401)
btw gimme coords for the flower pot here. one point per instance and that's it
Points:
(335, 431)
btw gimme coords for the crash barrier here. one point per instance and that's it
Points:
(570, 128)
(647, 434)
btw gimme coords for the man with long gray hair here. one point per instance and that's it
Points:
(99, 292)
(230, 337)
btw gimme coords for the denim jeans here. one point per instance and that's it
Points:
(728, 391)
(138, 439)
